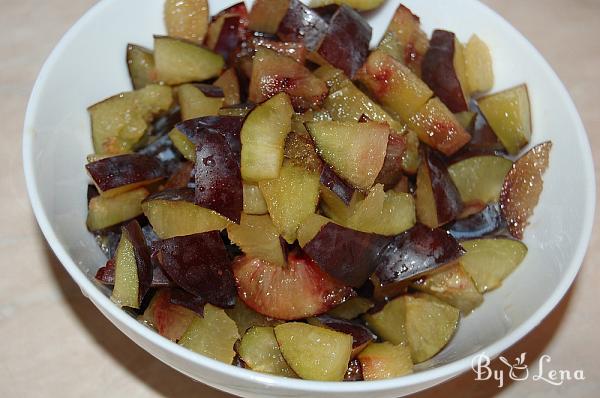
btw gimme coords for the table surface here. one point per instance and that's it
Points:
(55, 343)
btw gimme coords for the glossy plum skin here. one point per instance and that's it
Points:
(218, 177)
(227, 126)
(391, 172)
(485, 222)
(361, 335)
(438, 71)
(336, 184)
(116, 171)
(346, 43)
(200, 265)
(302, 24)
(415, 252)
(447, 198)
(349, 256)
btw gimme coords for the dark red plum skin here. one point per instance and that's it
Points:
(302, 24)
(437, 70)
(173, 195)
(336, 184)
(106, 275)
(354, 372)
(200, 265)
(448, 202)
(346, 43)
(391, 172)
(486, 222)
(230, 37)
(218, 177)
(348, 255)
(227, 126)
(360, 333)
(133, 232)
(415, 252)
(117, 171)
(187, 300)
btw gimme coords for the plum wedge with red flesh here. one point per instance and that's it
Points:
(440, 71)
(218, 177)
(347, 255)
(346, 43)
(302, 24)
(124, 171)
(523, 186)
(200, 265)
(299, 290)
(415, 252)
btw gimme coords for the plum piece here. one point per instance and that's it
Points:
(333, 207)
(313, 352)
(479, 179)
(345, 45)
(490, 261)
(133, 268)
(360, 5)
(299, 290)
(260, 351)
(263, 138)
(230, 37)
(301, 151)
(257, 237)
(302, 24)
(442, 69)
(199, 264)
(336, 184)
(266, 15)
(119, 122)
(273, 73)
(296, 51)
(411, 158)
(393, 85)
(182, 177)
(430, 324)
(291, 198)
(385, 213)
(391, 172)
(361, 335)
(218, 177)
(452, 285)
(478, 65)
(212, 335)
(254, 201)
(246, 318)
(405, 40)
(169, 320)
(437, 127)
(385, 361)
(239, 110)
(310, 227)
(180, 61)
(106, 274)
(173, 213)
(523, 186)
(140, 63)
(352, 308)
(199, 100)
(356, 151)
(415, 252)
(485, 222)
(508, 113)
(347, 255)
(106, 212)
(229, 83)
(117, 174)
(227, 126)
(438, 201)
(389, 321)
(354, 371)
(187, 19)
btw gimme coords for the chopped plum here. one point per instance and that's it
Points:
(301, 151)
(347, 255)
(299, 290)
(140, 63)
(218, 177)
(485, 222)
(385, 361)
(415, 252)
(200, 265)
(345, 45)
(246, 318)
(352, 308)
(228, 126)
(106, 212)
(199, 100)
(173, 213)
(169, 320)
(260, 351)
(229, 83)
(391, 172)
(336, 184)
(478, 65)
(361, 335)
(302, 24)
(266, 15)
(273, 73)
(480, 178)
(254, 201)
(442, 69)
(313, 352)
(389, 322)
(257, 237)
(296, 51)
(182, 177)
(187, 19)
(523, 186)
(310, 227)
(354, 371)
(117, 174)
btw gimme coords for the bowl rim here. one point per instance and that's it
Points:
(440, 373)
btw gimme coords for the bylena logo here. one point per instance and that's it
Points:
(518, 371)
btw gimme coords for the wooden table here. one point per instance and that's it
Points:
(55, 343)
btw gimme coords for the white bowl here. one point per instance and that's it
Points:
(88, 65)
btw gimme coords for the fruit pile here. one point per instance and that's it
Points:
(277, 195)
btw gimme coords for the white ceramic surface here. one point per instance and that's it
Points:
(88, 65)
